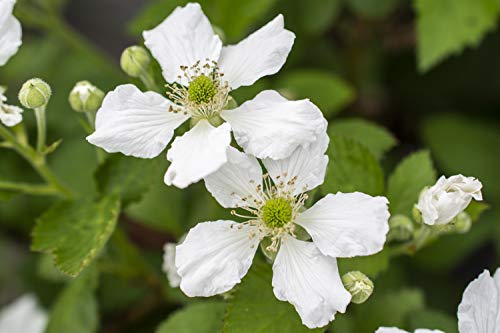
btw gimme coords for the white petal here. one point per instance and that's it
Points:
(197, 153)
(479, 311)
(236, 180)
(10, 115)
(182, 39)
(424, 330)
(215, 256)
(306, 164)
(10, 38)
(347, 224)
(272, 126)
(135, 123)
(168, 266)
(262, 53)
(24, 315)
(310, 281)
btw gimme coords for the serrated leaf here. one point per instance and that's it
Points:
(468, 21)
(374, 137)
(407, 181)
(372, 265)
(127, 177)
(75, 309)
(352, 168)
(75, 232)
(205, 317)
(327, 90)
(254, 309)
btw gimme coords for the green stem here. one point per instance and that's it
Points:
(36, 160)
(41, 128)
(422, 238)
(149, 81)
(35, 189)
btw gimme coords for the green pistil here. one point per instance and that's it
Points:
(201, 90)
(277, 212)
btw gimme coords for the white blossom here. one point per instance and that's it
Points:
(215, 256)
(10, 115)
(203, 73)
(397, 330)
(10, 31)
(23, 315)
(440, 203)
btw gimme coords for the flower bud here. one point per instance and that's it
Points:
(442, 202)
(135, 61)
(462, 223)
(34, 93)
(359, 285)
(85, 97)
(401, 228)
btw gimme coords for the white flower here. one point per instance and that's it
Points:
(9, 115)
(443, 201)
(397, 330)
(10, 31)
(479, 311)
(24, 315)
(168, 267)
(215, 256)
(203, 73)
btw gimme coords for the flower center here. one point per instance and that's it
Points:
(277, 212)
(202, 90)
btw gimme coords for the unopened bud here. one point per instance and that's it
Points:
(135, 61)
(401, 228)
(34, 93)
(85, 97)
(359, 285)
(462, 223)
(417, 215)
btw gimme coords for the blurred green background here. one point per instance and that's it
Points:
(427, 71)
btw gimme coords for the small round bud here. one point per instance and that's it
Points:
(359, 285)
(135, 61)
(462, 223)
(34, 93)
(401, 228)
(417, 215)
(85, 97)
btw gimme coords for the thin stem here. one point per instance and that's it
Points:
(148, 81)
(41, 128)
(36, 160)
(28, 188)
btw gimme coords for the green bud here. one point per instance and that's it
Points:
(34, 93)
(135, 61)
(417, 215)
(359, 285)
(462, 223)
(85, 97)
(401, 228)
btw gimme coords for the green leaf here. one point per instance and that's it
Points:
(447, 27)
(375, 9)
(254, 308)
(75, 309)
(327, 90)
(372, 265)
(433, 319)
(475, 209)
(127, 177)
(75, 232)
(352, 168)
(407, 181)
(374, 137)
(204, 317)
(312, 17)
